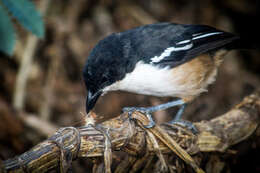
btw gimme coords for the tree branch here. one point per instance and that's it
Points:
(67, 144)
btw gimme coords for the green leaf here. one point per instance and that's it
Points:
(25, 12)
(7, 34)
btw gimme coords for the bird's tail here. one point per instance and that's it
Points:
(241, 43)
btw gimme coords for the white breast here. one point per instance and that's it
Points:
(147, 79)
(185, 81)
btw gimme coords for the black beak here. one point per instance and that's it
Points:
(91, 100)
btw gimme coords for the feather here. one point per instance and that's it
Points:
(169, 44)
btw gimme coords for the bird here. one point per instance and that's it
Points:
(161, 59)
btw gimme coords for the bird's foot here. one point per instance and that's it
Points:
(187, 124)
(132, 109)
(143, 110)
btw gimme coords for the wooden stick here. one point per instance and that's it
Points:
(216, 135)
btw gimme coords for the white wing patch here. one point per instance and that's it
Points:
(183, 42)
(167, 52)
(205, 35)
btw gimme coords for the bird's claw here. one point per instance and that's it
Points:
(143, 110)
(187, 124)
(132, 109)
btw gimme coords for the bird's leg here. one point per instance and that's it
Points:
(152, 109)
(179, 113)
(165, 106)
(177, 120)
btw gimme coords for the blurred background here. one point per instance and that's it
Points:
(48, 91)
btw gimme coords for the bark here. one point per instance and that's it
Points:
(177, 148)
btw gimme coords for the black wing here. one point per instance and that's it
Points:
(169, 44)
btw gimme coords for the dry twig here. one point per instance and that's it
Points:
(216, 135)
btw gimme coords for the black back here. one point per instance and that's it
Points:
(152, 40)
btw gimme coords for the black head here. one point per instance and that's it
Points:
(105, 65)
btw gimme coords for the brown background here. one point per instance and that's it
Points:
(55, 91)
